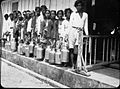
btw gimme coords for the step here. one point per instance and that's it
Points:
(58, 74)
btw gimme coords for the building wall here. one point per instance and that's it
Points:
(31, 4)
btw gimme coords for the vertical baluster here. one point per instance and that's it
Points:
(107, 49)
(115, 50)
(95, 50)
(86, 50)
(90, 48)
(111, 49)
(118, 55)
(103, 49)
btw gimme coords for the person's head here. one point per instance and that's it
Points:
(15, 14)
(61, 38)
(19, 13)
(47, 14)
(53, 14)
(20, 18)
(11, 16)
(24, 14)
(28, 14)
(43, 9)
(6, 16)
(37, 11)
(67, 12)
(79, 4)
(60, 14)
(32, 14)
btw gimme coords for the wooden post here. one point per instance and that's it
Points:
(90, 48)
(115, 49)
(86, 50)
(118, 52)
(111, 49)
(107, 49)
(95, 50)
(103, 49)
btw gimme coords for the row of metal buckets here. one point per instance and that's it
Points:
(10, 45)
(51, 55)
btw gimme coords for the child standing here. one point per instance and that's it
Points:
(66, 29)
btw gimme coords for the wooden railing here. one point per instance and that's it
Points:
(100, 50)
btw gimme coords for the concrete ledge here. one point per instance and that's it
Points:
(53, 72)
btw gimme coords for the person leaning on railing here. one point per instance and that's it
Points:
(79, 22)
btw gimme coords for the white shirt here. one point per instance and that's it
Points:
(39, 19)
(77, 21)
(65, 28)
(29, 25)
(10, 27)
(5, 26)
(60, 30)
(10, 24)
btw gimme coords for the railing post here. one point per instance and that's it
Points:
(107, 49)
(103, 49)
(115, 49)
(90, 48)
(86, 50)
(95, 50)
(118, 51)
(111, 50)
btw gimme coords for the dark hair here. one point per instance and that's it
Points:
(77, 2)
(21, 18)
(46, 11)
(6, 15)
(18, 12)
(15, 13)
(11, 14)
(43, 6)
(28, 11)
(53, 11)
(37, 8)
(68, 9)
(60, 11)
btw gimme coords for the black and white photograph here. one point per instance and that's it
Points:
(60, 43)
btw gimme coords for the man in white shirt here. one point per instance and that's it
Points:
(79, 23)
(40, 11)
(5, 24)
(38, 19)
(11, 24)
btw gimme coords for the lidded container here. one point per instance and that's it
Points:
(13, 44)
(52, 56)
(64, 54)
(47, 52)
(39, 53)
(23, 48)
(27, 54)
(58, 57)
(35, 50)
(31, 47)
(20, 48)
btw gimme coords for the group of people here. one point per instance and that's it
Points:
(66, 26)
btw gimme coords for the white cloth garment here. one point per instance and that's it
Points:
(60, 30)
(29, 25)
(39, 19)
(10, 27)
(77, 21)
(65, 28)
(5, 26)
